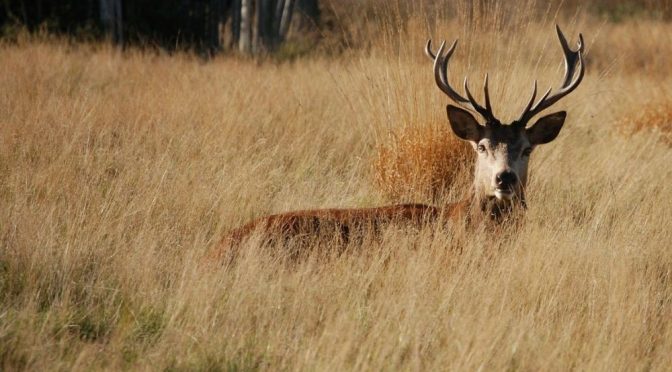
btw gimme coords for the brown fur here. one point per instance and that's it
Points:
(342, 223)
(311, 221)
(348, 223)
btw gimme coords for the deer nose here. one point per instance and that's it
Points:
(506, 179)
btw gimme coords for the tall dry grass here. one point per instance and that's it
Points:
(119, 171)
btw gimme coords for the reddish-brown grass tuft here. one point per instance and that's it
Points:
(655, 117)
(421, 163)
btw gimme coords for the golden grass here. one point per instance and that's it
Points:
(119, 171)
(422, 163)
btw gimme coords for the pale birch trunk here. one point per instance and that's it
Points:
(245, 41)
(285, 19)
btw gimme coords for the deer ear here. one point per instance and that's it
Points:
(464, 124)
(546, 129)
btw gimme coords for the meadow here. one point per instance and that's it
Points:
(119, 171)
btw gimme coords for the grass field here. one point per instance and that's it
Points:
(118, 171)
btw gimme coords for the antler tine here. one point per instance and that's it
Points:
(428, 50)
(441, 61)
(573, 59)
(485, 112)
(529, 104)
(548, 91)
(441, 73)
(570, 55)
(580, 44)
(563, 40)
(488, 106)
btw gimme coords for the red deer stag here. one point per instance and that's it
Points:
(502, 156)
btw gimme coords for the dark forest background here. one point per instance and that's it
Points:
(209, 26)
(256, 27)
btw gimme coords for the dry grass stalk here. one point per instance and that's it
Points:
(421, 163)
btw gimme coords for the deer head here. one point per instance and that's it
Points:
(503, 151)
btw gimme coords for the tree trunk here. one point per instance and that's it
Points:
(106, 16)
(235, 23)
(285, 19)
(215, 15)
(112, 19)
(279, 8)
(264, 35)
(119, 25)
(258, 26)
(223, 17)
(245, 41)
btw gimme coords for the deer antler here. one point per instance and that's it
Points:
(441, 77)
(572, 60)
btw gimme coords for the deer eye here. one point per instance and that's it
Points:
(527, 151)
(481, 148)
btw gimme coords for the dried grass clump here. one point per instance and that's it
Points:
(420, 163)
(654, 117)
